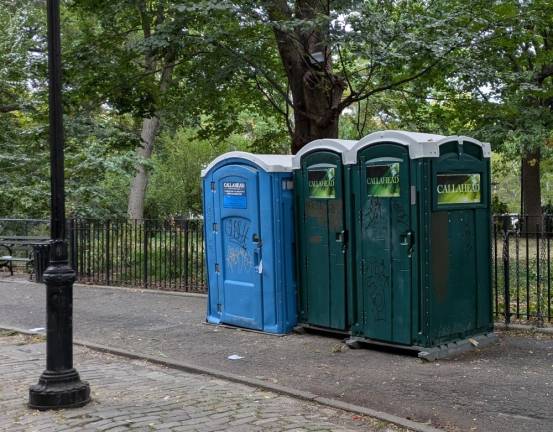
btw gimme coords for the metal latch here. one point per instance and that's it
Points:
(408, 239)
(342, 237)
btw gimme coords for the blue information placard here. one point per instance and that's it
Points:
(234, 195)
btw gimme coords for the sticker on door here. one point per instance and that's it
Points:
(234, 195)
(322, 182)
(383, 180)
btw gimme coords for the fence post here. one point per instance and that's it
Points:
(145, 255)
(538, 276)
(506, 269)
(107, 248)
(73, 244)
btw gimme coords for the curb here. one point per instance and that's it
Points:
(284, 390)
(120, 288)
(143, 290)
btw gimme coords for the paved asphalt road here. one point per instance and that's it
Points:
(505, 387)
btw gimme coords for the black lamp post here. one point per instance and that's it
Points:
(59, 386)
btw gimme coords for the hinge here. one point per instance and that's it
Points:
(217, 269)
(287, 184)
(212, 186)
(215, 227)
(219, 307)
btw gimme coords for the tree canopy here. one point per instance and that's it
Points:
(151, 83)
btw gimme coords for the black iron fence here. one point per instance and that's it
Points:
(169, 255)
(165, 255)
(24, 227)
(157, 254)
(521, 270)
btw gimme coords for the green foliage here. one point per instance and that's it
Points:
(451, 67)
(498, 207)
(175, 188)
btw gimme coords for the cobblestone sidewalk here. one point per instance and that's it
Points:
(134, 395)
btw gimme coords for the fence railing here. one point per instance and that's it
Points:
(24, 227)
(521, 268)
(169, 255)
(165, 255)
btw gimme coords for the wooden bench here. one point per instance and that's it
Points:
(27, 243)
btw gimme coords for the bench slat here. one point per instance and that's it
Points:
(9, 258)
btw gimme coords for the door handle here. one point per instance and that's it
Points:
(257, 264)
(408, 239)
(342, 237)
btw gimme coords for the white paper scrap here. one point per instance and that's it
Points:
(234, 357)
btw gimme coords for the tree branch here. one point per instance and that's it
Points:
(9, 108)
(358, 97)
(344, 69)
(269, 98)
(258, 69)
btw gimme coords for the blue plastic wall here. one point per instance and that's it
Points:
(272, 307)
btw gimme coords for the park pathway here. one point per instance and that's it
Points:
(508, 386)
(134, 395)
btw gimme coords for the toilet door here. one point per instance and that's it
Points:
(239, 254)
(387, 242)
(323, 241)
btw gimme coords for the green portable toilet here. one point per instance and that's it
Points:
(422, 222)
(321, 185)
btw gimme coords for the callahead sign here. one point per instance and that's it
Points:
(383, 180)
(321, 182)
(234, 195)
(458, 188)
(236, 186)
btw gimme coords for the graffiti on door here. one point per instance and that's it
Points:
(377, 281)
(236, 231)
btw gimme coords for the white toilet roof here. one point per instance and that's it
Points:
(337, 145)
(267, 162)
(421, 145)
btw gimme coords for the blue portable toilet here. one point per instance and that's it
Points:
(249, 235)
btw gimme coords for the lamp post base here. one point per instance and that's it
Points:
(58, 390)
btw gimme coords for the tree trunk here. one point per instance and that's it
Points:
(307, 130)
(316, 92)
(531, 187)
(316, 95)
(135, 209)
